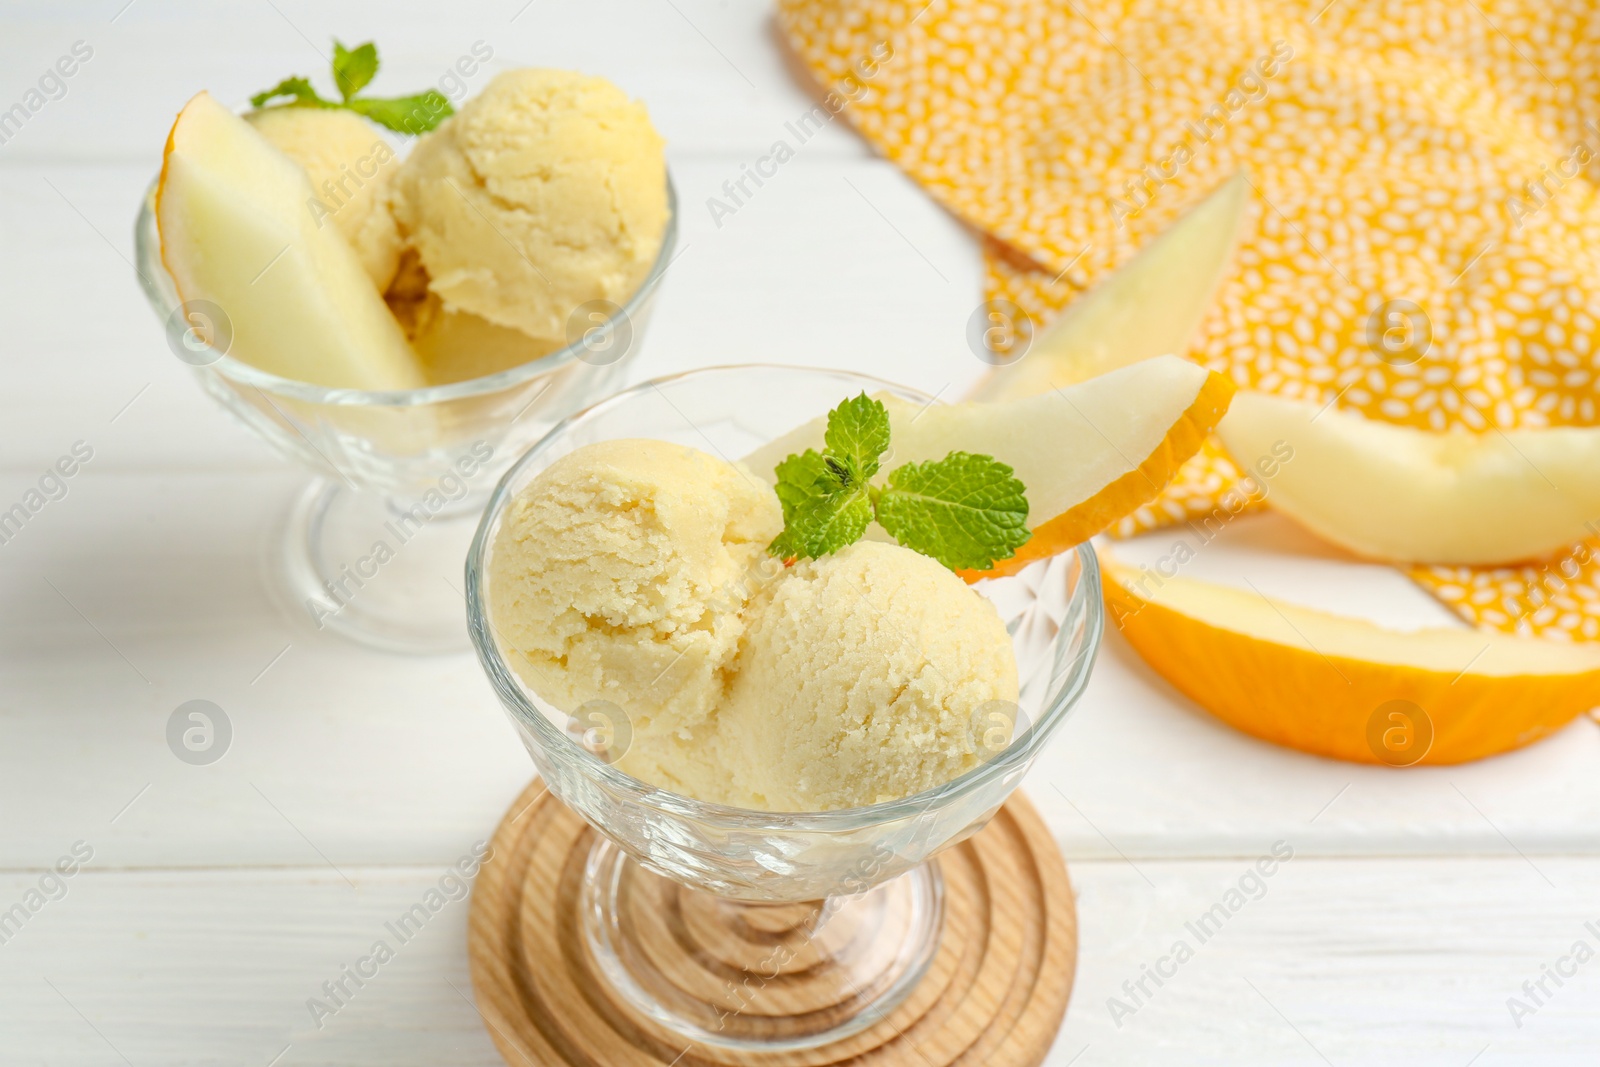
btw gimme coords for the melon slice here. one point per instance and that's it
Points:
(1088, 454)
(1151, 306)
(1347, 688)
(1406, 495)
(236, 230)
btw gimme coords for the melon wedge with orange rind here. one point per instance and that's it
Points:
(1347, 688)
(236, 234)
(1087, 454)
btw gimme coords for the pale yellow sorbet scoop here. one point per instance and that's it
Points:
(619, 574)
(865, 676)
(545, 192)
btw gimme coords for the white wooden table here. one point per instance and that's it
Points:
(219, 898)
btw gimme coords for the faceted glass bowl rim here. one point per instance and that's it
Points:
(162, 292)
(1085, 598)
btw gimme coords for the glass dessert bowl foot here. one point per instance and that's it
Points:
(372, 548)
(759, 931)
(757, 976)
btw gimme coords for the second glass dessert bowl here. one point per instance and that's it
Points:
(849, 896)
(372, 546)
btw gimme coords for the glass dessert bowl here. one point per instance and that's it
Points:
(370, 549)
(848, 896)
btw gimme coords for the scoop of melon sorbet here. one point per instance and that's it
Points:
(636, 572)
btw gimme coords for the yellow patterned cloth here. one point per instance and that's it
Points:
(1424, 242)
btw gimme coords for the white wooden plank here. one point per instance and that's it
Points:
(1372, 962)
(405, 754)
(153, 967)
(714, 76)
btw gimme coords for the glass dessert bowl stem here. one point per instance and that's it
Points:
(756, 930)
(758, 976)
(368, 566)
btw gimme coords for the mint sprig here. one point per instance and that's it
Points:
(353, 69)
(966, 510)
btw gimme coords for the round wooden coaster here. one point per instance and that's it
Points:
(994, 994)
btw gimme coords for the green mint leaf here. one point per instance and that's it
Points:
(413, 115)
(825, 506)
(965, 510)
(296, 90)
(858, 434)
(354, 68)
